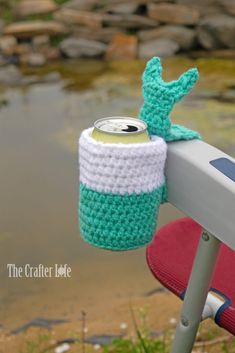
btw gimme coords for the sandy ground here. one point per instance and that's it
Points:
(156, 312)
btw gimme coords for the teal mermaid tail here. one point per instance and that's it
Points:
(159, 99)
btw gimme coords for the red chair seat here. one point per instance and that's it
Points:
(170, 257)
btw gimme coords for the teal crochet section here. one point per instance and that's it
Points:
(179, 132)
(159, 99)
(118, 222)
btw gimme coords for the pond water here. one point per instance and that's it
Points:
(39, 128)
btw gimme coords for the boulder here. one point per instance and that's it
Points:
(3, 61)
(51, 53)
(127, 8)
(30, 29)
(157, 47)
(104, 35)
(8, 44)
(174, 13)
(80, 18)
(216, 32)
(205, 7)
(185, 37)
(228, 96)
(77, 47)
(31, 7)
(122, 47)
(129, 21)
(41, 41)
(84, 5)
(229, 6)
(10, 75)
(36, 59)
(2, 25)
(22, 49)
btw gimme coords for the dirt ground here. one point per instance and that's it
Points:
(157, 313)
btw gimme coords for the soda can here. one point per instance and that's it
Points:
(119, 129)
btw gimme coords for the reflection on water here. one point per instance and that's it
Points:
(38, 187)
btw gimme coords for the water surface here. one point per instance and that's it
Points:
(39, 129)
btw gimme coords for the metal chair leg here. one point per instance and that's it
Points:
(196, 293)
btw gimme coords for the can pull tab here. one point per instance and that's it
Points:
(130, 128)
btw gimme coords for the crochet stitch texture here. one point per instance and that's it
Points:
(118, 222)
(159, 99)
(120, 191)
(122, 185)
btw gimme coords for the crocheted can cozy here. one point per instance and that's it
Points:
(121, 189)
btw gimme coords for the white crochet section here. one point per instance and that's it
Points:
(121, 168)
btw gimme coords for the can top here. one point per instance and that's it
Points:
(120, 125)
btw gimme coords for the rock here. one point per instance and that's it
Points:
(32, 7)
(80, 18)
(36, 59)
(22, 49)
(228, 96)
(2, 25)
(34, 79)
(8, 44)
(216, 32)
(174, 13)
(208, 94)
(69, 340)
(41, 41)
(62, 348)
(102, 35)
(157, 47)
(13, 59)
(38, 322)
(127, 8)
(10, 75)
(229, 6)
(155, 291)
(52, 77)
(3, 61)
(84, 5)
(102, 340)
(205, 7)
(122, 47)
(30, 80)
(77, 47)
(129, 21)
(33, 59)
(185, 37)
(30, 29)
(51, 53)
(219, 53)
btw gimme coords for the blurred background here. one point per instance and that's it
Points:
(63, 65)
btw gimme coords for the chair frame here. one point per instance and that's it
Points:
(193, 186)
(196, 293)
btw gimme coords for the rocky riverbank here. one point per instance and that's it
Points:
(34, 33)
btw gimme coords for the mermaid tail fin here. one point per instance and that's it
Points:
(185, 83)
(153, 69)
(160, 96)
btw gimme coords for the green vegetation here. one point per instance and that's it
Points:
(42, 17)
(147, 345)
(61, 2)
(7, 12)
(56, 40)
(36, 346)
(210, 339)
